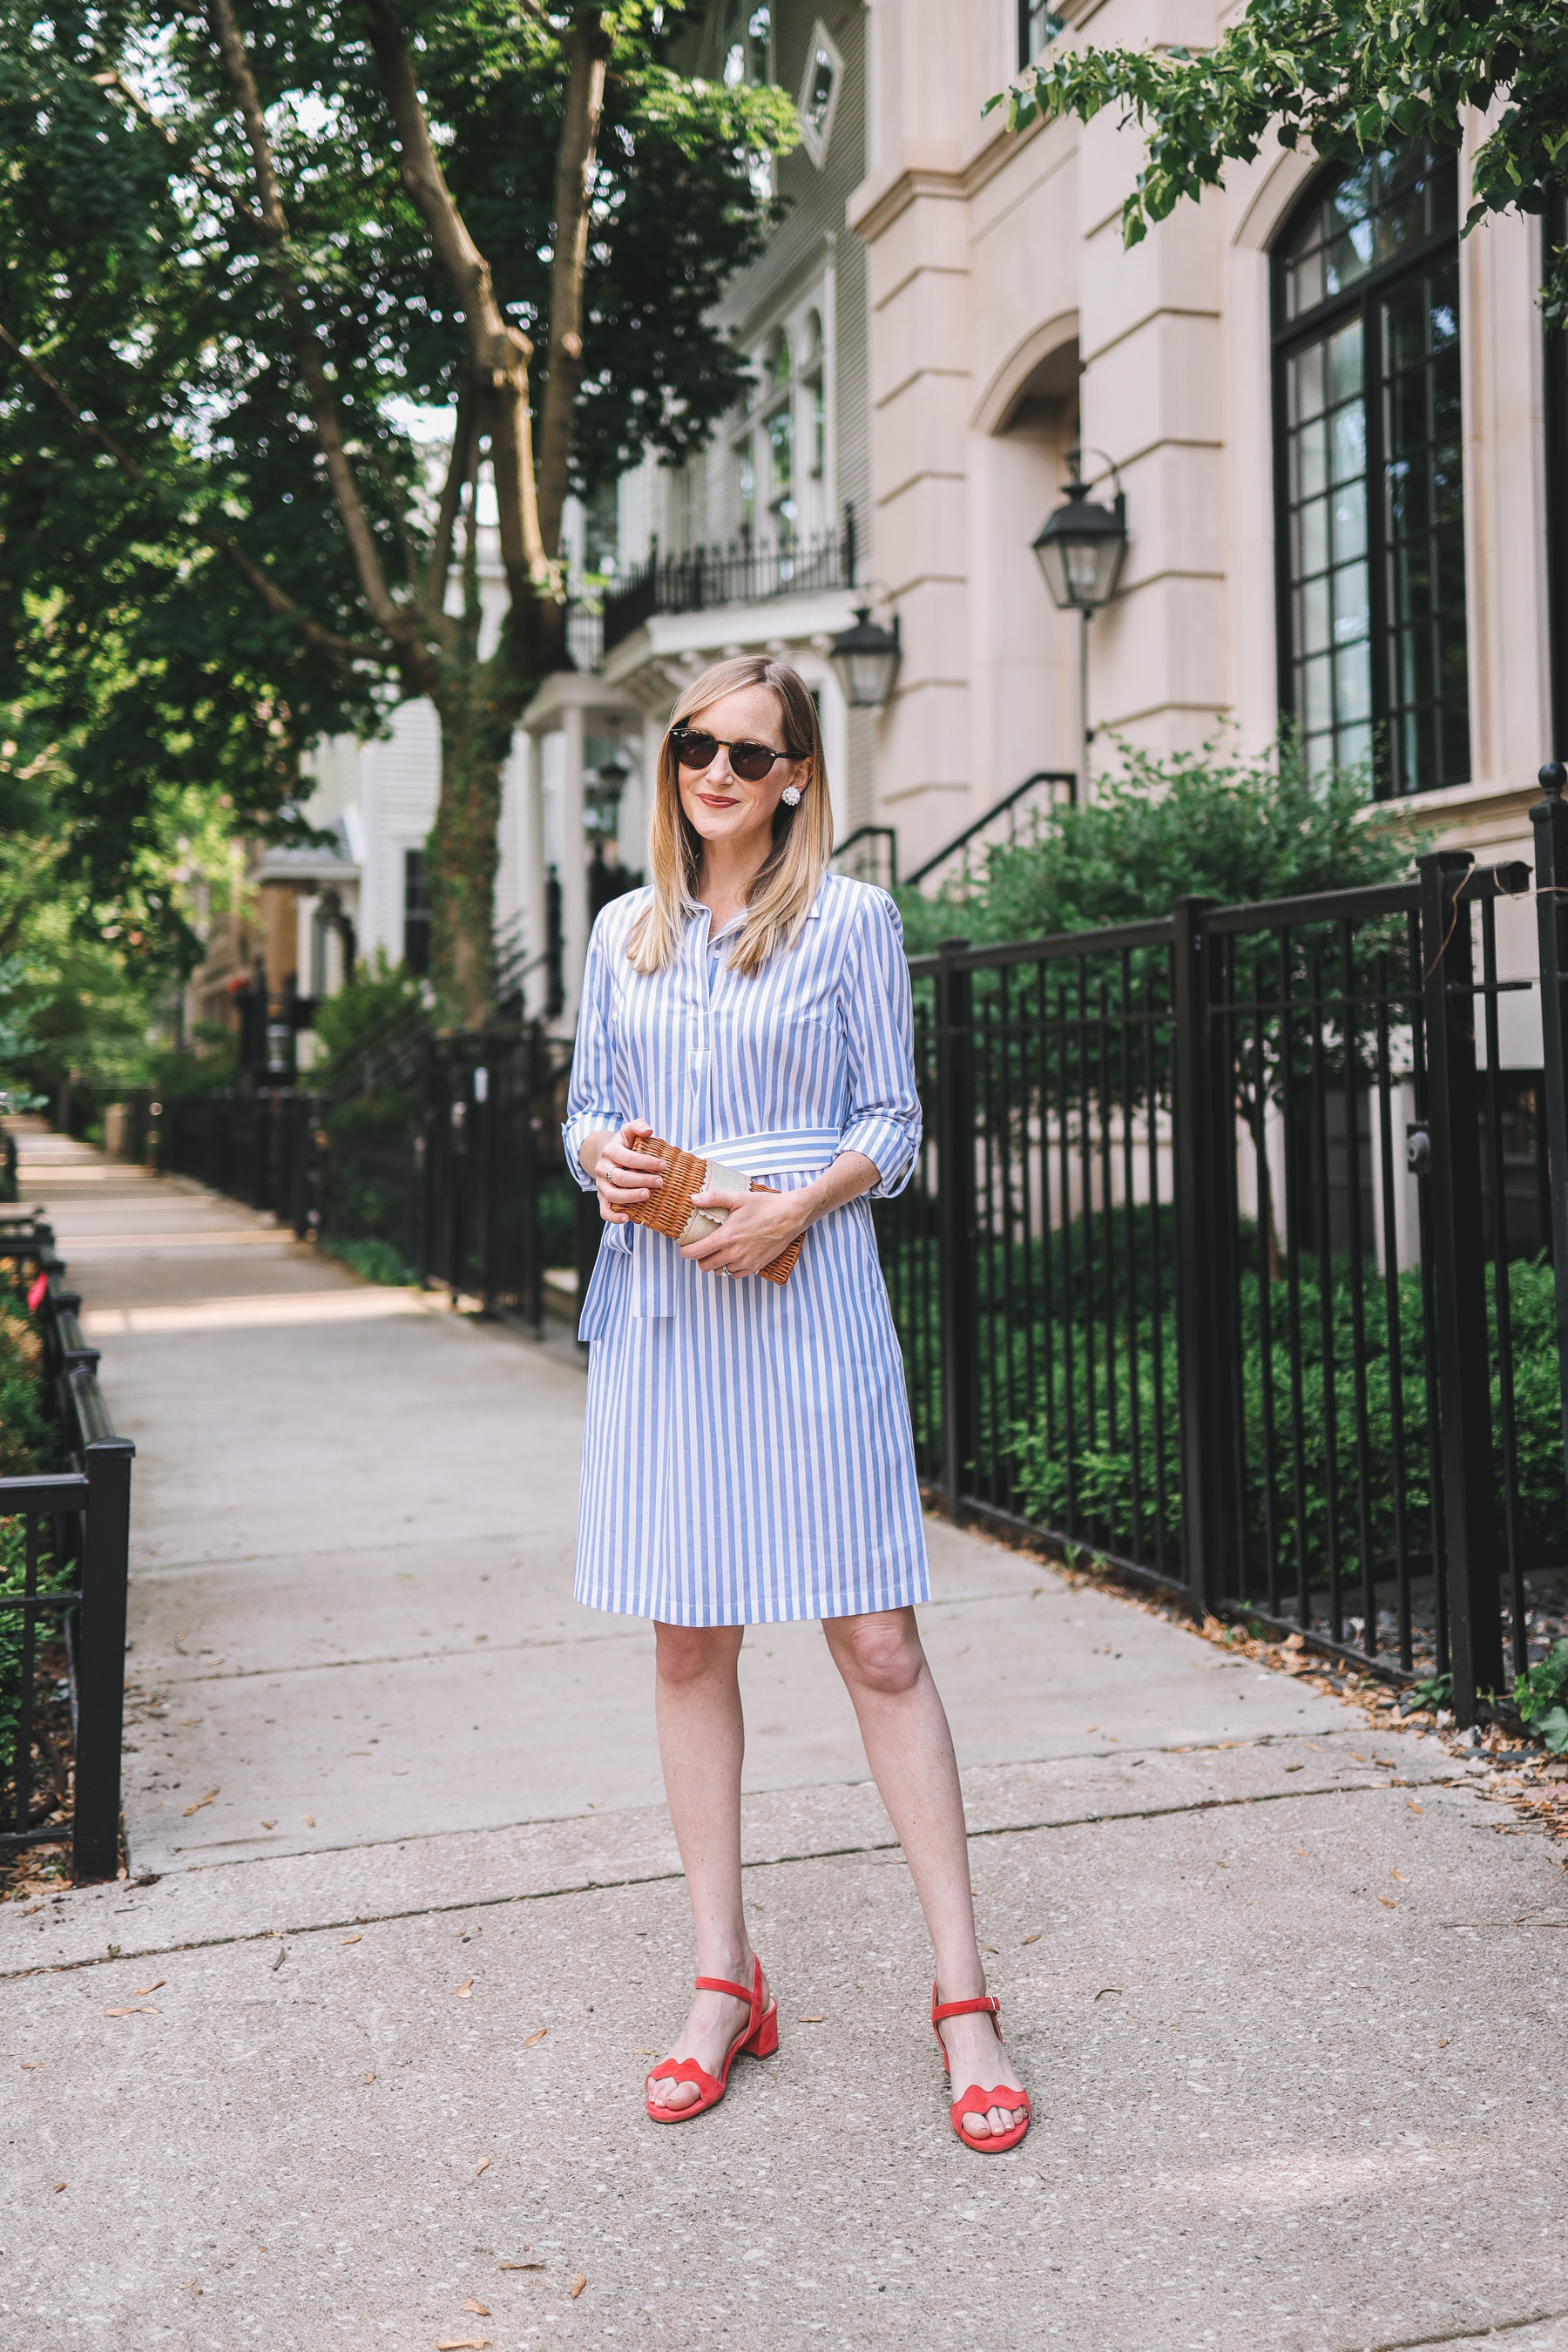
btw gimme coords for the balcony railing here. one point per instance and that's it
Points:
(747, 571)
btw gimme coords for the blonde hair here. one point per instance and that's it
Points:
(785, 891)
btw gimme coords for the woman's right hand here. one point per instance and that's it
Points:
(623, 1176)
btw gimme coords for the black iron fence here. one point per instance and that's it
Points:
(441, 1152)
(1236, 1256)
(64, 1555)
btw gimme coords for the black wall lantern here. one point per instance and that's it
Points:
(1080, 550)
(1080, 547)
(865, 658)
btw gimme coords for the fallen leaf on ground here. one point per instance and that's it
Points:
(818, 2017)
(349, 1939)
(480, 2310)
(309, 1820)
(465, 1989)
(31, 1909)
(991, 1948)
(282, 1956)
(1444, 2043)
(577, 2286)
(367, 2078)
(189, 1722)
(1414, 1806)
(156, 1986)
(58, 2186)
(523, 2266)
(1354, 1756)
(133, 2009)
(269, 1825)
(1400, 1875)
(645, 2054)
(483, 2166)
(31, 2066)
(1302, 1851)
(463, 2344)
(1108, 1989)
(1386, 1901)
(537, 2037)
(200, 1803)
(1035, 1938)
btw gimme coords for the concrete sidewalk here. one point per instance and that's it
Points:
(408, 1922)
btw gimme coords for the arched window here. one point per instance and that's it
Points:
(1371, 537)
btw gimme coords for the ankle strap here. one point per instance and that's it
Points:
(722, 1984)
(989, 2003)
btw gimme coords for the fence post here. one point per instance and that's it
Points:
(1549, 818)
(955, 1219)
(1203, 1123)
(1464, 1355)
(101, 1657)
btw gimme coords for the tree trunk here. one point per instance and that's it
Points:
(476, 710)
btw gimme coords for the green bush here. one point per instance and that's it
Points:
(208, 1066)
(13, 1579)
(372, 1260)
(29, 1445)
(1200, 822)
(378, 992)
(28, 1442)
(1542, 1697)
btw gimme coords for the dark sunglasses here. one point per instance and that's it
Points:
(750, 761)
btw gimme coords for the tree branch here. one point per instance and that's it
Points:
(441, 559)
(120, 87)
(401, 626)
(326, 641)
(500, 351)
(588, 46)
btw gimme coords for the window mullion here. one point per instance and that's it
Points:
(1377, 544)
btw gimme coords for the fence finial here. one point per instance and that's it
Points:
(1551, 779)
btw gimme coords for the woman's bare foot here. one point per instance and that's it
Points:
(976, 2058)
(711, 2024)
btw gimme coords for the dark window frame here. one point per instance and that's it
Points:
(1287, 336)
(1027, 9)
(415, 912)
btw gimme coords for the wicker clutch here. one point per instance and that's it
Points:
(669, 1211)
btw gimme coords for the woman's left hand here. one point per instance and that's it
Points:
(759, 1226)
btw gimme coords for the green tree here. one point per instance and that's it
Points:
(1342, 76)
(244, 249)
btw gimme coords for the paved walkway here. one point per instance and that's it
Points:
(365, 2033)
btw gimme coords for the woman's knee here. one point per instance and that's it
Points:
(692, 1654)
(881, 1653)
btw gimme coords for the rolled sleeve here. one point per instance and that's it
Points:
(883, 1119)
(591, 1105)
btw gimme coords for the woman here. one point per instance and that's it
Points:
(748, 1455)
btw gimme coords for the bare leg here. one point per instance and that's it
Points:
(701, 1741)
(910, 1749)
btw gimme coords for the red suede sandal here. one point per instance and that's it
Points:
(974, 2101)
(759, 2037)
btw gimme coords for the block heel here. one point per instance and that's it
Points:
(759, 2037)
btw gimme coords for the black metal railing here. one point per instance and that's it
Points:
(1228, 1257)
(746, 572)
(1018, 816)
(869, 854)
(63, 1564)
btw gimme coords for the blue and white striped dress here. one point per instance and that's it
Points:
(747, 1455)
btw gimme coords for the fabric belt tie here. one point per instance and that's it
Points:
(803, 1151)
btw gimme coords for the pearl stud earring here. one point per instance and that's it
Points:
(790, 796)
